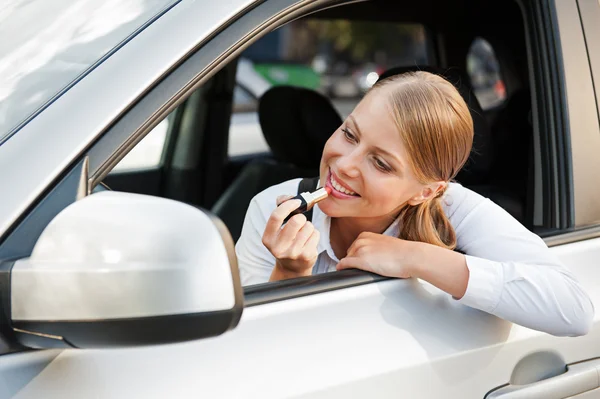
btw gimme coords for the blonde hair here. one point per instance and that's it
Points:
(436, 128)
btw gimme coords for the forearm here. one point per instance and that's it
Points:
(441, 267)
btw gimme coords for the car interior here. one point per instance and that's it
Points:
(296, 122)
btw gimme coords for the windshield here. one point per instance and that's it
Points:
(46, 45)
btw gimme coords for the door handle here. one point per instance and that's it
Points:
(579, 378)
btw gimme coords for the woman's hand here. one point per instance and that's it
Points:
(294, 246)
(393, 257)
(380, 254)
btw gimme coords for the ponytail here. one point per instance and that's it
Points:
(427, 223)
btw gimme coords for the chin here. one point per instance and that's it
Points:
(332, 209)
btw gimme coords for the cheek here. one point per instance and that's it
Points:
(385, 193)
(332, 149)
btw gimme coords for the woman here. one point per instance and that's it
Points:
(393, 211)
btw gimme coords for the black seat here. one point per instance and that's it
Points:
(513, 134)
(296, 123)
(478, 173)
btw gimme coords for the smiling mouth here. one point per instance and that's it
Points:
(339, 188)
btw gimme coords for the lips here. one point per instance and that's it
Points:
(340, 188)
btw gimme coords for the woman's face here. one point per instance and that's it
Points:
(366, 165)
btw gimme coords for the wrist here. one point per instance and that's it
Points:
(444, 268)
(280, 272)
(413, 260)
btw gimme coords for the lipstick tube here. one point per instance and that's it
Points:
(308, 200)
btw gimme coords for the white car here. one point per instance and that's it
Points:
(138, 295)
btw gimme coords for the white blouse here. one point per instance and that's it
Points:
(512, 273)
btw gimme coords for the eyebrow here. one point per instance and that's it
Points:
(378, 149)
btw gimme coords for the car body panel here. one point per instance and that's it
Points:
(583, 115)
(396, 337)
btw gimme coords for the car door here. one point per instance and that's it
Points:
(346, 334)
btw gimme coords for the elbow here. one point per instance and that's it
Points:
(581, 320)
(578, 328)
(583, 324)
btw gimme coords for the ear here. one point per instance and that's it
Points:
(428, 191)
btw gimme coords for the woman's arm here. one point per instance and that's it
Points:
(507, 270)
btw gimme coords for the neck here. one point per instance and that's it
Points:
(344, 231)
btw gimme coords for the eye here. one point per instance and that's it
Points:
(379, 164)
(349, 136)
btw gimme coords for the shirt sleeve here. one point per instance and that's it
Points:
(254, 259)
(513, 274)
(255, 262)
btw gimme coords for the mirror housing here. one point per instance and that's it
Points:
(117, 269)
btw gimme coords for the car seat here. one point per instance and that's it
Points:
(296, 123)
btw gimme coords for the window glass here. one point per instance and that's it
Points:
(148, 152)
(484, 71)
(243, 100)
(47, 44)
(341, 59)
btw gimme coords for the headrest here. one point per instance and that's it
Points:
(478, 167)
(296, 123)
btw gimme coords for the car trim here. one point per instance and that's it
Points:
(551, 117)
(562, 137)
(260, 294)
(573, 235)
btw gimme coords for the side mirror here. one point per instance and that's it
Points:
(117, 269)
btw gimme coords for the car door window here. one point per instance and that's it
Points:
(244, 100)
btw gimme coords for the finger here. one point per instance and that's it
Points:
(287, 235)
(352, 262)
(301, 238)
(276, 220)
(355, 246)
(310, 250)
(282, 198)
(367, 234)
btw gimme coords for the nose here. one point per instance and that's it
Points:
(349, 164)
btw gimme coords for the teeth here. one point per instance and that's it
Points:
(339, 188)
